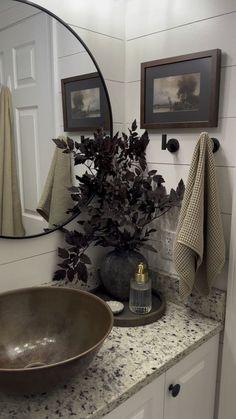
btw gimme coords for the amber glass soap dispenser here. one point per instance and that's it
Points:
(140, 300)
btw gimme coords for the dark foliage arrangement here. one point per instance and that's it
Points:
(117, 195)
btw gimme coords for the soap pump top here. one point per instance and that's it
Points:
(141, 276)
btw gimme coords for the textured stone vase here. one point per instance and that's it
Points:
(117, 269)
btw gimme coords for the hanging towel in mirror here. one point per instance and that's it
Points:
(10, 206)
(199, 249)
(56, 200)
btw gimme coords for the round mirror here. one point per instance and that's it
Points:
(50, 87)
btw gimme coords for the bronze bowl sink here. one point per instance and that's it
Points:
(48, 335)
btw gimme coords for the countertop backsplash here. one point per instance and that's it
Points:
(212, 306)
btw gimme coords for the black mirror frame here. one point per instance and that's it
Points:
(43, 9)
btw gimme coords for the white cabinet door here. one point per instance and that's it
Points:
(196, 375)
(148, 403)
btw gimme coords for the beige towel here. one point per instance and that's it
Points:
(199, 249)
(10, 206)
(56, 199)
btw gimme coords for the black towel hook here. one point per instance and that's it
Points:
(216, 145)
(172, 145)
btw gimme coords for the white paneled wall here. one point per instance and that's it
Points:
(101, 25)
(156, 30)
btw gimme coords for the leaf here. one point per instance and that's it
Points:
(116, 136)
(69, 237)
(158, 179)
(143, 163)
(60, 143)
(70, 143)
(130, 176)
(73, 249)
(152, 230)
(152, 172)
(85, 259)
(125, 136)
(79, 159)
(173, 196)
(70, 274)
(149, 247)
(82, 272)
(144, 140)
(63, 253)
(134, 126)
(59, 275)
(81, 222)
(88, 228)
(146, 185)
(65, 264)
(180, 189)
(77, 145)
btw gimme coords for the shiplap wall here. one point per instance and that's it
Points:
(156, 30)
(32, 262)
(153, 30)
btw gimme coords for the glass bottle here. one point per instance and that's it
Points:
(140, 300)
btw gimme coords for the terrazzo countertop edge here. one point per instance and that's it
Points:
(150, 378)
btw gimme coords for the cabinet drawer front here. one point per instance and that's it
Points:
(196, 376)
(148, 403)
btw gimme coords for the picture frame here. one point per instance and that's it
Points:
(182, 91)
(84, 103)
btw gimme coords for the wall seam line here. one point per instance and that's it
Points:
(27, 257)
(182, 25)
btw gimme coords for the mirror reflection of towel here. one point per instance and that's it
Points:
(56, 199)
(10, 206)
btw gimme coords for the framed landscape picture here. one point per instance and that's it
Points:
(181, 91)
(84, 103)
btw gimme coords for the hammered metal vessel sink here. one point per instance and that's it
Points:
(47, 335)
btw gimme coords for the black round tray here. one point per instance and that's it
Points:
(128, 319)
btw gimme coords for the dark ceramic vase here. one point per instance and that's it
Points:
(117, 269)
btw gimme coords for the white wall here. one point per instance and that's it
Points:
(155, 30)
(101, 25)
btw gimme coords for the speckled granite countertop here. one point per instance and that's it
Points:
(129, 359)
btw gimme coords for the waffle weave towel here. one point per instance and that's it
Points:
(199, 249)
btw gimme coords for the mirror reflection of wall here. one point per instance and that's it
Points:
(36, 53)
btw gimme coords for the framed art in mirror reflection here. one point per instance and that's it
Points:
(84, 103)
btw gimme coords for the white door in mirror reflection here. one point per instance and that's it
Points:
(25, 55)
